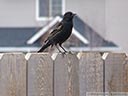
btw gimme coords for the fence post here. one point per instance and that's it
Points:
(125, 89)
(40, 75)
(12, 74)
(114, 72)
(66, 79)
(91, 73)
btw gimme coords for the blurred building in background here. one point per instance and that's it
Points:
(101, 25)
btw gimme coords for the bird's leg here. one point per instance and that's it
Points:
(63, 48)
(58, 49)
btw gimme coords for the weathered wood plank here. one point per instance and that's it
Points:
(125, 76)
(91, 73)
(40, 75)
(12, 75)
(114, 72)
(66, 80)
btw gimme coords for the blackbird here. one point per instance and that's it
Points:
(61, 33)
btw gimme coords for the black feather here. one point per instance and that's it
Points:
(61, 33)
(44, 47)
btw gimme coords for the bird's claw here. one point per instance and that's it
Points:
(70, 52)
(64, 53)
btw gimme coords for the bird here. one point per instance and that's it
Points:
(60, 33)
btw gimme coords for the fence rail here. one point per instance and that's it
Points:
(66, 75)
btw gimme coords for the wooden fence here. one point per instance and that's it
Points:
(67, 75)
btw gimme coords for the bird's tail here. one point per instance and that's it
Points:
(44, 47)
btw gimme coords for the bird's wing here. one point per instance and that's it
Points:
(55, 31)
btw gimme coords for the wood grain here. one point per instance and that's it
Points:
(125, 75)
(114, 72)
(66, 79)
(12, 75)
(91, 73)
(40, 75)
(66, 75)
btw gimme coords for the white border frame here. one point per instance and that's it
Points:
(63, 7)
(38, 18)
(37, 13)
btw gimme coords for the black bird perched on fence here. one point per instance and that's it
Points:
(61, 33)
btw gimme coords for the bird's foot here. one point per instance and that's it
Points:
(66, 52)
(70, 52)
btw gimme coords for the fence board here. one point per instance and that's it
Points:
(66, 80)
(125, 76)
(91, 73)
(114, 72)
(40, 75)
(67, 75)
(13, 75)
